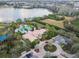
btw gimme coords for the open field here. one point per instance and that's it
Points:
(57, 23)
(2, 28)
(54, 22)
(76, 23)
(69, 18)
(2, 25)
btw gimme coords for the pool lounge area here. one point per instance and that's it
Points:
(23, 29)
(33, 35)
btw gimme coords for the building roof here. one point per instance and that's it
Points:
(62, 40)
(32, 35)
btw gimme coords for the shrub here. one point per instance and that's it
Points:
(67, 48)
(75, 48)
(55, 17)
(34, 43)
(19, 20)
(50, 48)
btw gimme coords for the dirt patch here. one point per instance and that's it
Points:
(69, 18)
(58, 23)
(54, 22)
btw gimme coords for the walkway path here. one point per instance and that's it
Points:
(59, 52)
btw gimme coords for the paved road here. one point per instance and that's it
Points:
(59, 52)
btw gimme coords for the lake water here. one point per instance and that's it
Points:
(11, 14)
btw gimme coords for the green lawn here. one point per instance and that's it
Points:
(55, 17)
(3, 54)
(38, 24)
(76, 23)
(2, 25)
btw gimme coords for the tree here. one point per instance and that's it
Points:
(38, 18)
(44, 37)
(27, 44)
(18, 35)
(70, 35)
(51, 31)
(28, 21)
(19, 21)
(35, 42)
(20, 46)
(9, 46)
(62, 18)
(75, 48)
(12, 26)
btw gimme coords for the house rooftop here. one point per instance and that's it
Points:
(32, 35)
(62, 40)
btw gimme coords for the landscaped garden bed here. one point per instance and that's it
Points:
(50, 48)
(67, 48)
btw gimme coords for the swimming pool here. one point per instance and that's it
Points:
(3, 37)
(23, 29)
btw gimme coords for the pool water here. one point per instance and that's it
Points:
(3, 37)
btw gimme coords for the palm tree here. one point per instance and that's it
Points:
(18, 35)
(28, 22)
(12, 26)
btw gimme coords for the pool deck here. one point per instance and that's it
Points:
(32, 35)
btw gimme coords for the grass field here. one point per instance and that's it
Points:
(38, 24)
(2, 25)
(54, 22)
(57, 23)
(2, 29)
(76, 23)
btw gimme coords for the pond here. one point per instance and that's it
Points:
(11, 14)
